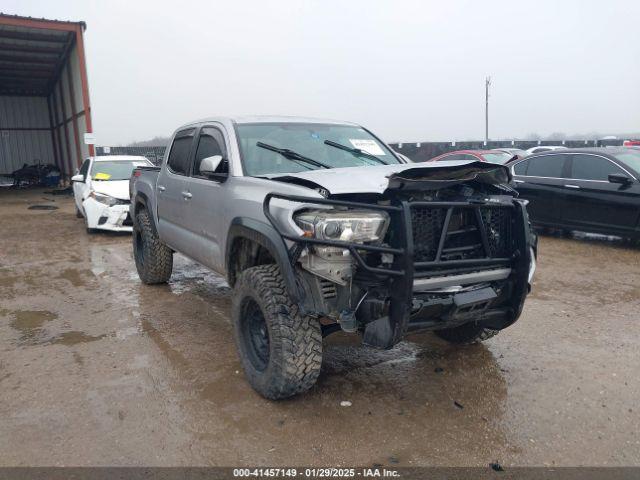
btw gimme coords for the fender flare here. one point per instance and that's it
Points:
(142, 199)
(267, 237)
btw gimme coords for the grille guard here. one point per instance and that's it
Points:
(404, 269)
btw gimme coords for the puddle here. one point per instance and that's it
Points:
(43, 207)
(75, 277)
(197, 279)
(73, 338)
(28, 322)
(31, 325)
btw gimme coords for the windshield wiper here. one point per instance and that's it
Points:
(291, 155)
(355, 151)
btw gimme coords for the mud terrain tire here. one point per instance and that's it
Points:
(154, 260)
(280, 349)
(466, 334)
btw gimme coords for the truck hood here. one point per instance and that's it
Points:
(377, 179)
(114, 188)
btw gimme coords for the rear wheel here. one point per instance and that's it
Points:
(280, 349)
(154, 260)
(466, 334)
(78, 213)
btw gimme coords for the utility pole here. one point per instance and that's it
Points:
(487, 84)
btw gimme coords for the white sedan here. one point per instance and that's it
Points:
(101, 191)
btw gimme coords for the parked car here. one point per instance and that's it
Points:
(491, 156)
(319, 227)
(588, 189)
(101, 193)
(514, 152)
(544, 148)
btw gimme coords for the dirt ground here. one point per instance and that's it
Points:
(98, 369)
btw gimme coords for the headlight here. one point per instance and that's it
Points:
(106, 199)
(357, 226)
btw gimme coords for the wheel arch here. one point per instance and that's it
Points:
(246, 232)
(141, 202)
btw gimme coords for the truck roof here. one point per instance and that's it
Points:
(267, 119)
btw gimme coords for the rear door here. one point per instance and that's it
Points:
(540, 180)
(205, 210)
(171, 191)
(594, 203)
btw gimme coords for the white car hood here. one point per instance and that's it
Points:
(368, 179)
(114, 188)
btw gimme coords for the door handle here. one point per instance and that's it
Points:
(161, 188)
(186, 195)
(575, 187)
(518, 181)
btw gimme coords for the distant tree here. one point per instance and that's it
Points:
(557, 136)
(532, 136)
(154, 142)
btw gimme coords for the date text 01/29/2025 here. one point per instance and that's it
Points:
(315, 472)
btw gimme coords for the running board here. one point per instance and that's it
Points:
(434, 283)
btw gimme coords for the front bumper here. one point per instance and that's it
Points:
(436, 292)
(114, 218)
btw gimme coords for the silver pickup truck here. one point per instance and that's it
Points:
(319, 226)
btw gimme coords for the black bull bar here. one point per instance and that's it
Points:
(390, 330)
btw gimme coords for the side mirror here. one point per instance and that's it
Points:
(209, 165)
(78, 178)
(620, 178)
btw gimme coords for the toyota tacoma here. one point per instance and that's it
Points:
(318, 226)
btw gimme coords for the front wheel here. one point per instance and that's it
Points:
(466, 334)
(280, 348)
(154, 260)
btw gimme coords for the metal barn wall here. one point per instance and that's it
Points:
(69, 116)
(25, 135)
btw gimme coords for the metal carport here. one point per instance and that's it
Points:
(44, 94)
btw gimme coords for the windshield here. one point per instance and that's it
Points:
(308, 140)
(499, 158)
(116, 170)
(631, 159)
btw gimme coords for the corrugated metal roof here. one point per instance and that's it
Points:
(42, 19)
(32, 53)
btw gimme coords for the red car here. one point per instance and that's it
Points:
(492, 156)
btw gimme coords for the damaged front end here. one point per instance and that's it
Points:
(438, 248)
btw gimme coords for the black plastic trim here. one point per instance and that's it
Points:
(266, 236)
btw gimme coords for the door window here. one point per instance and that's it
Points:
(546, 166)
(179, 155)
(592, 167)
(520, 168)
(210, 143)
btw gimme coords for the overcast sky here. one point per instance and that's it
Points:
(409, 70)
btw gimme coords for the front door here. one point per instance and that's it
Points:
(540, 180)
(207, 203)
